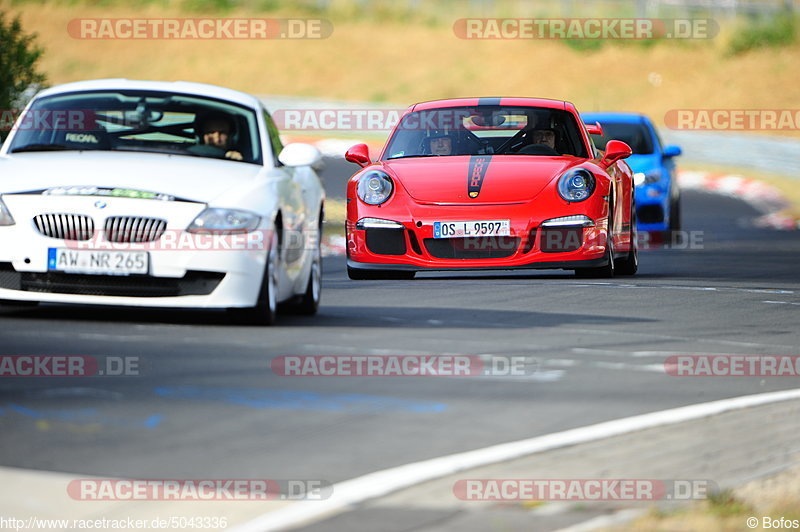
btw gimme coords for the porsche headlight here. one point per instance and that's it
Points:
(576, 185)
(215, 220)
(645, 178)
(375, 187)
(5, 216)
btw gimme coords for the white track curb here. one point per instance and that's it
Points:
(348, 493)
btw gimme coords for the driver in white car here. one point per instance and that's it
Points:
(216, 130)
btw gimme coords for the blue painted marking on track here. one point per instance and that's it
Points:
(300, 400)
(153, 421)
(62, 415)
(84, 416)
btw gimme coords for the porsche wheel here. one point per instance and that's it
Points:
(630, 264)
(601, 272)
(606, 271)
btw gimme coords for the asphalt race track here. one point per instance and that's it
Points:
(206, 404)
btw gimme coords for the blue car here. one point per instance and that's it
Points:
(658, 206)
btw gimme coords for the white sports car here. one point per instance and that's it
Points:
(158, 194)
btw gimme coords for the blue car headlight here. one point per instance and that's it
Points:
(375, 187)
(647, 178)
(576, 184)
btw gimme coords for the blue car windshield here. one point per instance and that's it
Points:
(634, 134)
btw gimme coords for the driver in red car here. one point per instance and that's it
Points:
(544, 136)
(534, 141)
(440, 143)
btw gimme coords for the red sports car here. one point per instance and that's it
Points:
(491, 183)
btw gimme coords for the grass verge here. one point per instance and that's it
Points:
(773, 497)
(788, 186)
(405, 61)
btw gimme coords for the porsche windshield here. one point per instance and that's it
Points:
(487, 130)
(147, 121)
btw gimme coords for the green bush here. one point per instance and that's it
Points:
(584, 45)
(725, 504)
(18, 57)
(760, 33)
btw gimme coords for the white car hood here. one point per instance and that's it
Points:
(197, 179)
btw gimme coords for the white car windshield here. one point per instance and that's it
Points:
(147, 121)
(487, 130)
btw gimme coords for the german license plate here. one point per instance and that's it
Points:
(472, 228)
(99, 262)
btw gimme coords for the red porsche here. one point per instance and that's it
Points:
(491, 183)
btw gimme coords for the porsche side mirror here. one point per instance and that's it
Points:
(672, 151)
(358, 154)
(594, 129)
(615, 150)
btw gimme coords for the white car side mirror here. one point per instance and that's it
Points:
(299, 154)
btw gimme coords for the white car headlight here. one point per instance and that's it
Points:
(5, 216)
(576, 184)
(645, 178)
(216, 220)
(375, 187)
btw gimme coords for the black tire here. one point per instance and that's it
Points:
(373, 275)
(601, 272)
(10, 303)
(674, 235)
(630, 264)
(266, 310)
(675, 215)
(607, 271)
(308, 303)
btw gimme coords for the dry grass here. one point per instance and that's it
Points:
(404, 63)
(775, 497)
(335, 215)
